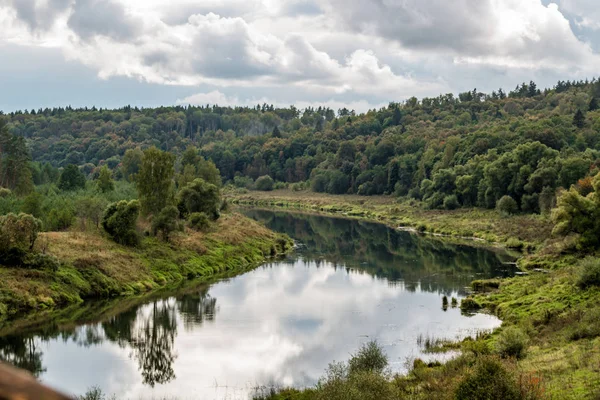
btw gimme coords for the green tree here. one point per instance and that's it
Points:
(90, 209)
(71, 178)
(200, 196)
(105, 182)
(119, 222)
(154, 181)
(507, 206)
(208, 171)
(580, 215)
(131, 163)
(166, 222)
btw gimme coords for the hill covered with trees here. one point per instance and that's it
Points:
(449, 151)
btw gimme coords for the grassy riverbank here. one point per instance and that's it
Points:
(548, 314)
(520, 231)
(93, 266)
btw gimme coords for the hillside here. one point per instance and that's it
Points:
(449, 151)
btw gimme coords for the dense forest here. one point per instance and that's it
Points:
(448, 151)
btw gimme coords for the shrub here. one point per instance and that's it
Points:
(590, 273)
(165, 222)
(489, 380)
(18, 232)
(507, 206)
(4, 192)
(264, 183)
(198, 221)
(41, 261)
(119, 222)
(370, 358)
(339, 384)
(243, 182)
(451, 202)
(200, 196)
(59, 219)
(512, 342)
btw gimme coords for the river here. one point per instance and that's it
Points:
(348, 282)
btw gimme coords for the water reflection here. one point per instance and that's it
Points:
(282, 323)
(393, 255)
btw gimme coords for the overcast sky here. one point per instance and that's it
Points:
(357, 53)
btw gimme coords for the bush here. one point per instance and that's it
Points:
(198, 221)
(319, 183)
(119, 222)
(18, 232)
(507, 206)
(370, 358)
(590, 273)
(41, 261)
(264, 183)
(4, 192)
(512, 342)
(243, 182)
(490, 380)
(200, 196)
(59, 219)
(165, 222)
(451, 202)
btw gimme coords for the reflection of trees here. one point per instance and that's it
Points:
(195, 308)
(425, 262)
(152, 343)
(22, 352)
(148, 330)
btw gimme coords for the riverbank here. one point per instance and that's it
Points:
(555, 317)
(94, 267)
(518, 231)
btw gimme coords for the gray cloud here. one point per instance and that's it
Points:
(433, 24)
(103, 17)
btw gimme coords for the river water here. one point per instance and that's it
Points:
(280, 325)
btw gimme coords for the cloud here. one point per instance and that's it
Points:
(36, 14)
(586, 12)
(512, 33)
(299, 50)
(103, 17)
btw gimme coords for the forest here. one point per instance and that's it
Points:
(448, 151)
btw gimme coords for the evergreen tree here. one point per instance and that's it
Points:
(593, 106)
(579, 119)
(276, 133)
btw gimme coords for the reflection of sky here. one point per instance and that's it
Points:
(280, 324)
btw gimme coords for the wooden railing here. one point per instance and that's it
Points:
(20, 385)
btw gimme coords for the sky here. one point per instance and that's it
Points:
(359, 54)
